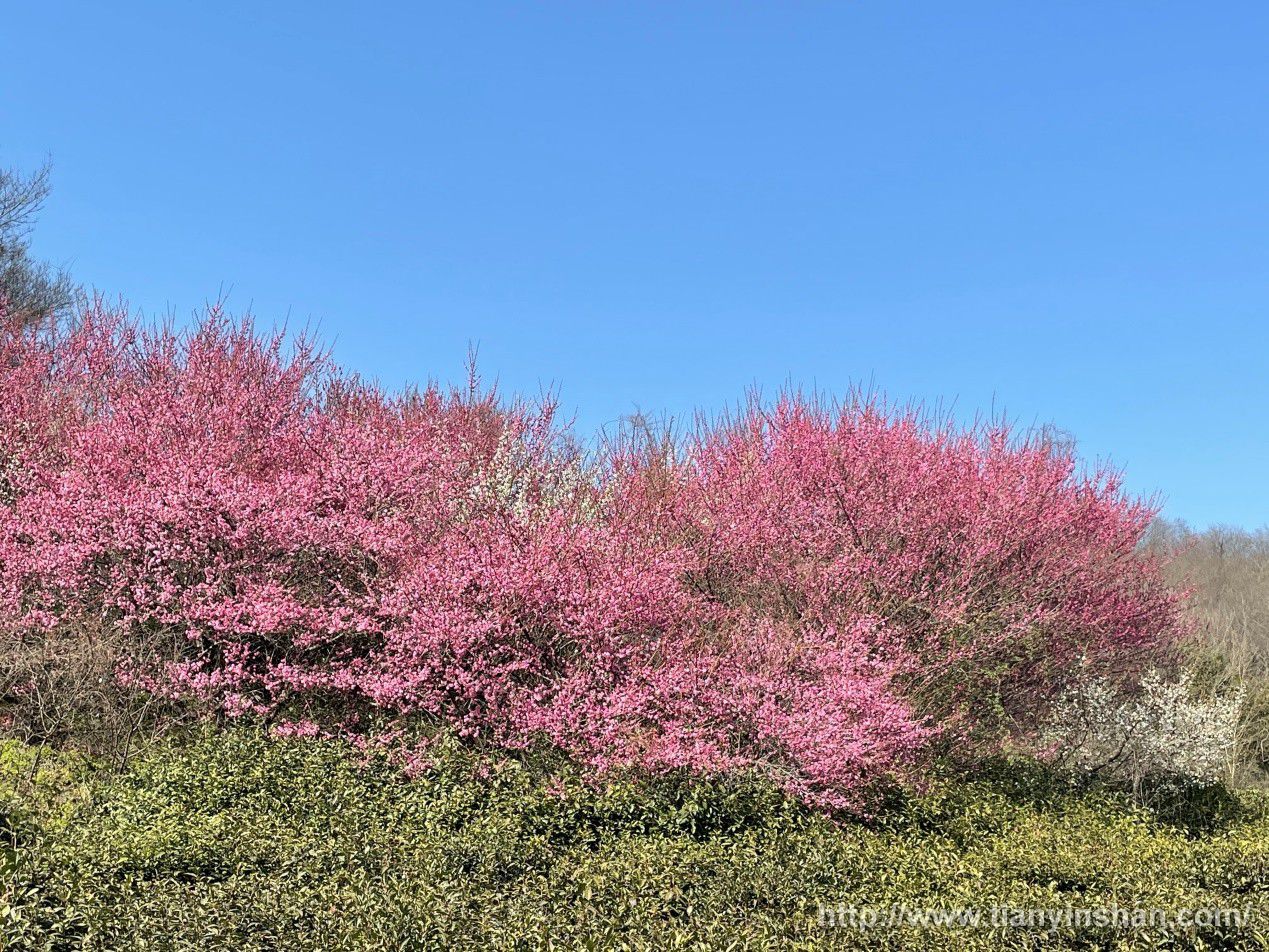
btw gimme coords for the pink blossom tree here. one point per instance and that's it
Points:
(820, 594)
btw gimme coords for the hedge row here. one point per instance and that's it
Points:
(232, 840)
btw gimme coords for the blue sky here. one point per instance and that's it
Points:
(1055, 210)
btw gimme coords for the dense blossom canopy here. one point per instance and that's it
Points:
(821, 593)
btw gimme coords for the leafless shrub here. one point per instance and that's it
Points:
(60, 689)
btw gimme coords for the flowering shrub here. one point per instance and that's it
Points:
(819, 594)
(990, 564)
(1162, 730)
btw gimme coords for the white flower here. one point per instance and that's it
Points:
(1162, 729)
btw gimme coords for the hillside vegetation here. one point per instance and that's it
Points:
(290, 662)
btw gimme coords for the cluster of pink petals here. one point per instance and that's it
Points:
(820, 594)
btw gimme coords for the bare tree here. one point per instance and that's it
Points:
(34, 291)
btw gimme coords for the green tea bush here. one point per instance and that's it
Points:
(232, 840)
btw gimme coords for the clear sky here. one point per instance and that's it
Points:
(1058, 210)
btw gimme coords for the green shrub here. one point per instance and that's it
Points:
(231, 840)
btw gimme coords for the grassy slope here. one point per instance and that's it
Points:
(238, 842)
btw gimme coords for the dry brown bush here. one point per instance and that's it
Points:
(60, 689)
